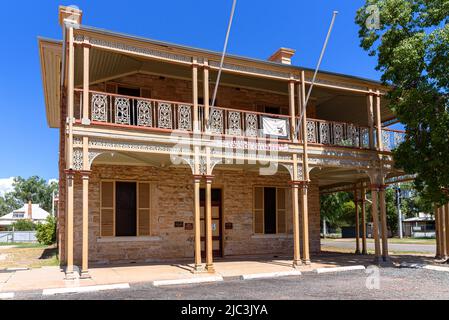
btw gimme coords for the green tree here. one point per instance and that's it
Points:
(337, 209)
(35, 189)
(411, 41)
(46, 232)
(8, 204)
(23, 225)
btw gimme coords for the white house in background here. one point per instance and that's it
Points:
(422, 226)
(29, 211)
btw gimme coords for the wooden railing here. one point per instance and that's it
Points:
(166, 115)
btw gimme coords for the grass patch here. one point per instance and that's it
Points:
(29, 257)
(23, 245)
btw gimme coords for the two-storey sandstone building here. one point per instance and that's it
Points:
(151, 171)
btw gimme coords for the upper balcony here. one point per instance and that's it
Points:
(141, 84)
(163, 116)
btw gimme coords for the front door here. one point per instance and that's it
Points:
(217, 216)
(125, 209)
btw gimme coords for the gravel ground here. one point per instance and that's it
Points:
(394, 283)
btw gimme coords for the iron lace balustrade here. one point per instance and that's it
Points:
(135, 111)
(241, 123)
(163, 115)
(337, 134)
(391, 139)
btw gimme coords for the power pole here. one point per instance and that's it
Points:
(324, 228)
(398, 205)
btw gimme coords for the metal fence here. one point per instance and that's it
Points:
(18, 236)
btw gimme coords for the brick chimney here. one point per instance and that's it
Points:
(70, 13)
(283, 55)
(30, 210)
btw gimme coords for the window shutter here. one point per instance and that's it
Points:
(289, 211)
(143, 210)
(258, 210)
(107, 209)
(281, 210)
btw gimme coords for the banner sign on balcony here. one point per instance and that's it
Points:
(275, 127)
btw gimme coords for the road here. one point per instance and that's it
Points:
(394, 283)
(395, 247)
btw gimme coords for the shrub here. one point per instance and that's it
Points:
(46, 232)
(23, 225)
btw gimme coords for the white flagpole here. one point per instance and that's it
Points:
(304, 107)
(224, 52)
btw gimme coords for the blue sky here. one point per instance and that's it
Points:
(29, 147)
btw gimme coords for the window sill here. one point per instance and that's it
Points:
(271, 236)
(127, 239)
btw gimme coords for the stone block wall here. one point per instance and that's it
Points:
(172, 200)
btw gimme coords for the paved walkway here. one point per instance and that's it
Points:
(53, 277)
(394, 247)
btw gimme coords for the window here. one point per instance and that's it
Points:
(272, 109)
(130, 92)
(18, 215)
(201, 101)
(269, 210)
(125, 209)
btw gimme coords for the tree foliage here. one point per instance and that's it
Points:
(23, 225)
(8, 204)
(411, 41)
(34, 188)
(46, 232)
(338, 209)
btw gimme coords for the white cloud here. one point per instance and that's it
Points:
(6, 185)
(52, 180)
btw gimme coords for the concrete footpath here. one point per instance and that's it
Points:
(180, 273)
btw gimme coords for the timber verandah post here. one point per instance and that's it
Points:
(357, 221)
(209, 177)
(383, 214)
(375, 215)
(382, 186)
(442, 233)
(362, 203)
(370, 112)
(69, 155)
(305, 171)
(196, 171)
(437, 232)
(85, 173)
(444, 221)
(446, 215)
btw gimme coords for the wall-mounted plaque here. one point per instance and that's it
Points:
(229, 226)
(179, 224)
(188, 226)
